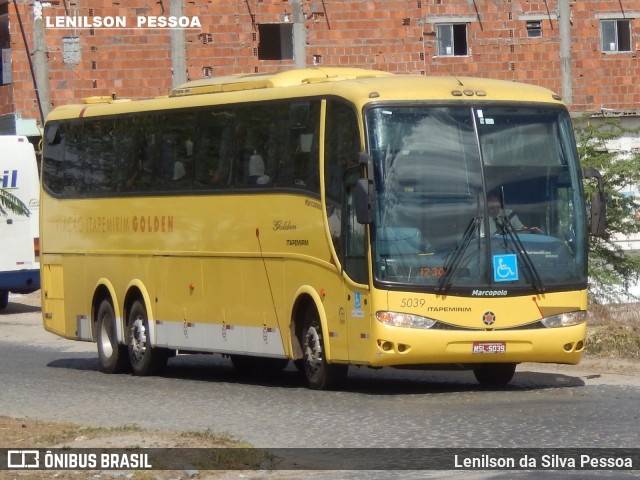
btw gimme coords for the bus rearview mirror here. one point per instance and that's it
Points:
(598, 214)
(598, 203)
(364, 202)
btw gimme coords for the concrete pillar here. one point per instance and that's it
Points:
(299, 35)
(40, 62)
(564, 25)
(178, 49)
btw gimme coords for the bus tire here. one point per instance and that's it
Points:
(111, 354)
(144, 359)
(4, 299)
(495, 374)
(319, 374)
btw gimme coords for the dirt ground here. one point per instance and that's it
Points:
(21, 433)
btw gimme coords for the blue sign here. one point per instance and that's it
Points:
(356, 300)
(505, 268)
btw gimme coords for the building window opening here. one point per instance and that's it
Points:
(452, 39)
(616, 35)
(534, 29)
(71, 51)
(276, 41)
(5, 44)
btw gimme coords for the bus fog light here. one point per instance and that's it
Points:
(568, 347)
(397, 319)
(565, 319)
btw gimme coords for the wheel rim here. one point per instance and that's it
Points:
(105, 337)
(313, 350)
(139, 343)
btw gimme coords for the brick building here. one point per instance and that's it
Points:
(80, 50)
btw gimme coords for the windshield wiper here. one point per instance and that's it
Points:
(453, 260)
(508, 229)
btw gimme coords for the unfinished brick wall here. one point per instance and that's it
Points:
(392, 35)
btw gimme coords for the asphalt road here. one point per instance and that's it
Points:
(46, 377)
(593, 405)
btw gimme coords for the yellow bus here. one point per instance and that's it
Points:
(328, 216)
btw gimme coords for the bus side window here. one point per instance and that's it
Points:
(355, 238)
(249, 147)
(74, 159)
(53, 166)
(99, 160)
(342, 144)
(176, 151)
(298, 166)
(133, 152)
(214, 148)
(307, 149)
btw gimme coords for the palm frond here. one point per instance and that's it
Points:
(10, 203)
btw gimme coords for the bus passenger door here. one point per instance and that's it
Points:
(355, 273)
(341, 172)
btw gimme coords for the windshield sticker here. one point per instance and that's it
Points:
(505, 268)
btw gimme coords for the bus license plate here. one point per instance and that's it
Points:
(489, 347)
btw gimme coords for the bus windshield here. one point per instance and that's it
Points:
(476, 196)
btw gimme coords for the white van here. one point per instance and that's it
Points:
(19, 234)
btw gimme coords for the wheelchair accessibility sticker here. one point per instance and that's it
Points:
(357, 311)
(505, 268)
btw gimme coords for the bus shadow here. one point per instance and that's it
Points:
(16, 308)
(75, 363)
(385, 382)
(391, 382)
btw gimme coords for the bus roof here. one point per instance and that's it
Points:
(360, 86)
(287, 78)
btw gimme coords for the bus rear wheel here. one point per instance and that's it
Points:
(145, 359)
(320, 375)
(495, 374)
(111, 354)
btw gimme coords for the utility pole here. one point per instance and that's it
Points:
(40, 62)
(299, 35)
(178, 49)
(564, 24)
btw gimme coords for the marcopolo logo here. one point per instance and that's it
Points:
(120, 22)
(489, 293)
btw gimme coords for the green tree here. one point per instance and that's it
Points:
(9, 202)
(611, 270)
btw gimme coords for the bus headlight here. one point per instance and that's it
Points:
(397, 319)
(565, 319)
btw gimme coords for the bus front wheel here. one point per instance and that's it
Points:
(495, 374)
(145, 359)
(320, 375)
(111, 354)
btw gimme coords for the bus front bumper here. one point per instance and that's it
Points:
(394, 346)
